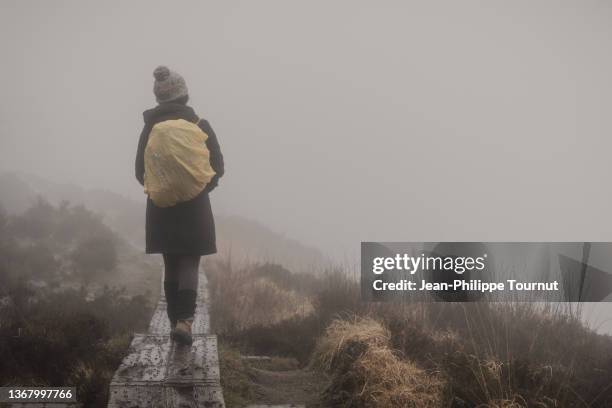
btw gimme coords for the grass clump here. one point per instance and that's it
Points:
(366, 372)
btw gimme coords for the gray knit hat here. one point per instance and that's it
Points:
(168, 85)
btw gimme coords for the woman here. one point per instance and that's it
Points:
(185, 231)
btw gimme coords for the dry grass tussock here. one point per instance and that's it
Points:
(366, 372)
(247, 298)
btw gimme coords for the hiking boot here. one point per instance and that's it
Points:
(182, 332)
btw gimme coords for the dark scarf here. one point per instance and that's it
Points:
(169, 111)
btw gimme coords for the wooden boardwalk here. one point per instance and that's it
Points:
(159, 373)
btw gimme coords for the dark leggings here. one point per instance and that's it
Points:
(181, 285)
(183, 269)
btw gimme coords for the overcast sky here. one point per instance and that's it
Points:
(340, 121)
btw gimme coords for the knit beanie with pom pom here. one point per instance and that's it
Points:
(168, 85)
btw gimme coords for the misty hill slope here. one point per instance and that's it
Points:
(249, 241)
(18, 191)
(246, 240)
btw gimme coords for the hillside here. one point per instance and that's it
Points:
(247, 240)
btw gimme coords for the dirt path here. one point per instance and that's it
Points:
(290, 386)
(273, 381)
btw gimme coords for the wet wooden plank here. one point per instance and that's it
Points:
(157, 359)
(147, 395)
(146, 360)
(198, 364)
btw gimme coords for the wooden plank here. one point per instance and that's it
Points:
(159, 324)
(198, 364)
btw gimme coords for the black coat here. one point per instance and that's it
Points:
(188, 227)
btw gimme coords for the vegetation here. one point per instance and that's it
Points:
(62, 321)
(54, 245)
(94, 255)
(58, 324)
(412, 354)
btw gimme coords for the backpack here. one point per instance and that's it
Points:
(177, 162)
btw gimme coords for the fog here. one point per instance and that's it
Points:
(339, 121)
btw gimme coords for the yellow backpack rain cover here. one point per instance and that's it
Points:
(177, 162)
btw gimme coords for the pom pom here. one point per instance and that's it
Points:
(161, 73)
